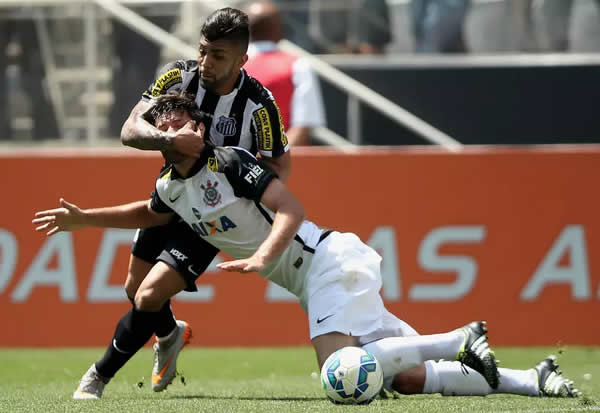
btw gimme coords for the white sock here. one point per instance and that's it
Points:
(524, 382)
(451, 379)
(396, 354)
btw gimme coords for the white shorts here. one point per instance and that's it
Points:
(343, 286)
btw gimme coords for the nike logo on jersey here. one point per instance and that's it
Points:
(191, 270)
(320, 320)
(176, 197)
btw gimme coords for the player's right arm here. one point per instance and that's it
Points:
(70, 217)
(139, 133)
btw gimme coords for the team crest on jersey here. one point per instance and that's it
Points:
(211, 195)
(213, 165)
(226, 126)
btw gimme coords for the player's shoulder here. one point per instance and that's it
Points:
(183, 65)
(256, 92)
(227, 157)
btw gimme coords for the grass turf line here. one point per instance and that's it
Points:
(255, 380)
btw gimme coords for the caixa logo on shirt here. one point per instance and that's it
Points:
(207, 228)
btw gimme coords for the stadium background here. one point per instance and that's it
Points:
(504, 233)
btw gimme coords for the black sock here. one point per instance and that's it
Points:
(165, 321)
(133, 331)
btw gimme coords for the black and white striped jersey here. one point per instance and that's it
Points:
(220, 201)
(248, 117)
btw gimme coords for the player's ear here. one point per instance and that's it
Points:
(244, 59)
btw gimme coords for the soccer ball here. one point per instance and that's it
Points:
(351, 375)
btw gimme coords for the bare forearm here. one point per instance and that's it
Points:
(285, 225)
(138, 133)
(133, 215)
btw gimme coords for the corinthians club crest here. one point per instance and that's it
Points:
(211, 195)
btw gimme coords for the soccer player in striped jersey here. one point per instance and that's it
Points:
(236, 203)
(167, 259)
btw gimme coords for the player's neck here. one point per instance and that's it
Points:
(228, 87)
(184, 167)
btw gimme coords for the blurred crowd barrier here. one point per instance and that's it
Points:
(48, 47)
(503, 235)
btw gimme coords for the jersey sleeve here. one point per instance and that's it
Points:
(169, 79)
(156, 203)
(268, 131)
(248, 176)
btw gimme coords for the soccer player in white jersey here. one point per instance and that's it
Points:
(236, 203)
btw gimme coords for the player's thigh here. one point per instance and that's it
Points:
(327, 344)
(161, 283)
(188, 254)
(137, 271)
(145, 249)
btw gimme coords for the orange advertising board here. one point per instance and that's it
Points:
(509, 236)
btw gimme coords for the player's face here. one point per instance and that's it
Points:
(220, 63)
(172, 122)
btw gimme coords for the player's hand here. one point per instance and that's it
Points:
(252, 264)
(67, 218)
(189, 140)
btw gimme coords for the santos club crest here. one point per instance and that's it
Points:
(211, 195)
(226, 126)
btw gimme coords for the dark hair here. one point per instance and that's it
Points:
(227, 24)
(180, 102)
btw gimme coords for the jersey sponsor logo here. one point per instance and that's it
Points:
(255, 171)
(213, 165)
(165, 81)
(207, 228)
(284, 140)
(226, 126)
(211, 195)
(264, 129)
(178, 254)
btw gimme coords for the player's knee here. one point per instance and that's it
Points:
(409, 382)
(148, 299)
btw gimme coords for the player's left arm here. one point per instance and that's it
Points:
(281, 164)
(289, 214)
(254, 181)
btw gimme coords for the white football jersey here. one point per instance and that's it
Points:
(220, 200)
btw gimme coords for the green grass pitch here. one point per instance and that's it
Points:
(255, 380)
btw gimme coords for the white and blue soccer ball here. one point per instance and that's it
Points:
(351, 375)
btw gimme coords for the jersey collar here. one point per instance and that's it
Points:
(198, 165)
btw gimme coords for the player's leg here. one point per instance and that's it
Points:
(467, 344)
(450, 378)
(327, 344)
(147, 245)
(185, 257)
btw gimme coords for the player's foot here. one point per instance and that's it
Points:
(475, 352)
(165, 356)
(551, 381)
(91, 385)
